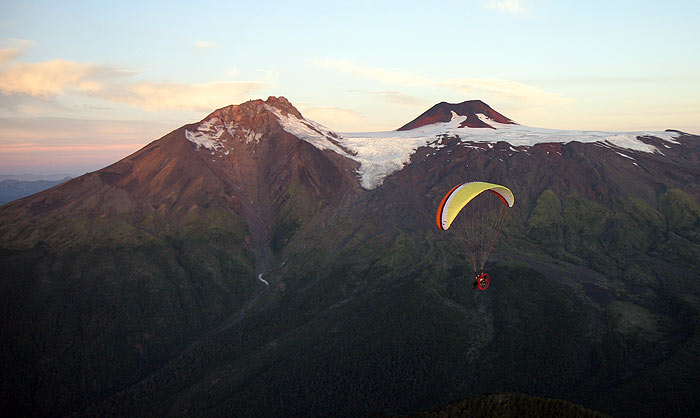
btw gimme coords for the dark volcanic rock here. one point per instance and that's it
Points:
(442, 112)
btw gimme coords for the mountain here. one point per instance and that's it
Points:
(219, 162)
(12, 189)
(258, 263)
(471, 109)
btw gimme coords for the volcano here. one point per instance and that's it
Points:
(239, 158)
(258, 263)
(471, 110)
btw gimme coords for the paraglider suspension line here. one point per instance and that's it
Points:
(482, 225)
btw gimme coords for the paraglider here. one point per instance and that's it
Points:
(480, 209)
(481, 281)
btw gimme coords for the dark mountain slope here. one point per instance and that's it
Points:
(155, 307)
(378, 313)
(108, 275)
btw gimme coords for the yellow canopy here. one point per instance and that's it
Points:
(460, 195)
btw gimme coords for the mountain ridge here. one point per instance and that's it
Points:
(144, 277)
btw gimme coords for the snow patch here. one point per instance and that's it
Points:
(207, 135)
(626, 156)
(381, 155)
(308, 130)
(629, 141)
(251, 136)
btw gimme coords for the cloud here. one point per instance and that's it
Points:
(268, 75)
(379, 74)
(7, 54)
(395, 97)
(18, 45)
(14, 103)
(32, 147)
(333, 117)
(631, 79)
(205, 44)
(505, 90)
(43, 131)
(47, 80)
(160, 96)
(51, 78)
(486, 88)
(513, 7)
(40, 144)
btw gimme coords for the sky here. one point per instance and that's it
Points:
(86, 83)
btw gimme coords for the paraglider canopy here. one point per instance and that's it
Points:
(461, 194)
(480, 209)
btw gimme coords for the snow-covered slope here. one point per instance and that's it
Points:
(383, 153)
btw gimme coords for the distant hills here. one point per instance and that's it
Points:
(33, 177)
(13, 189)
(258, 263)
